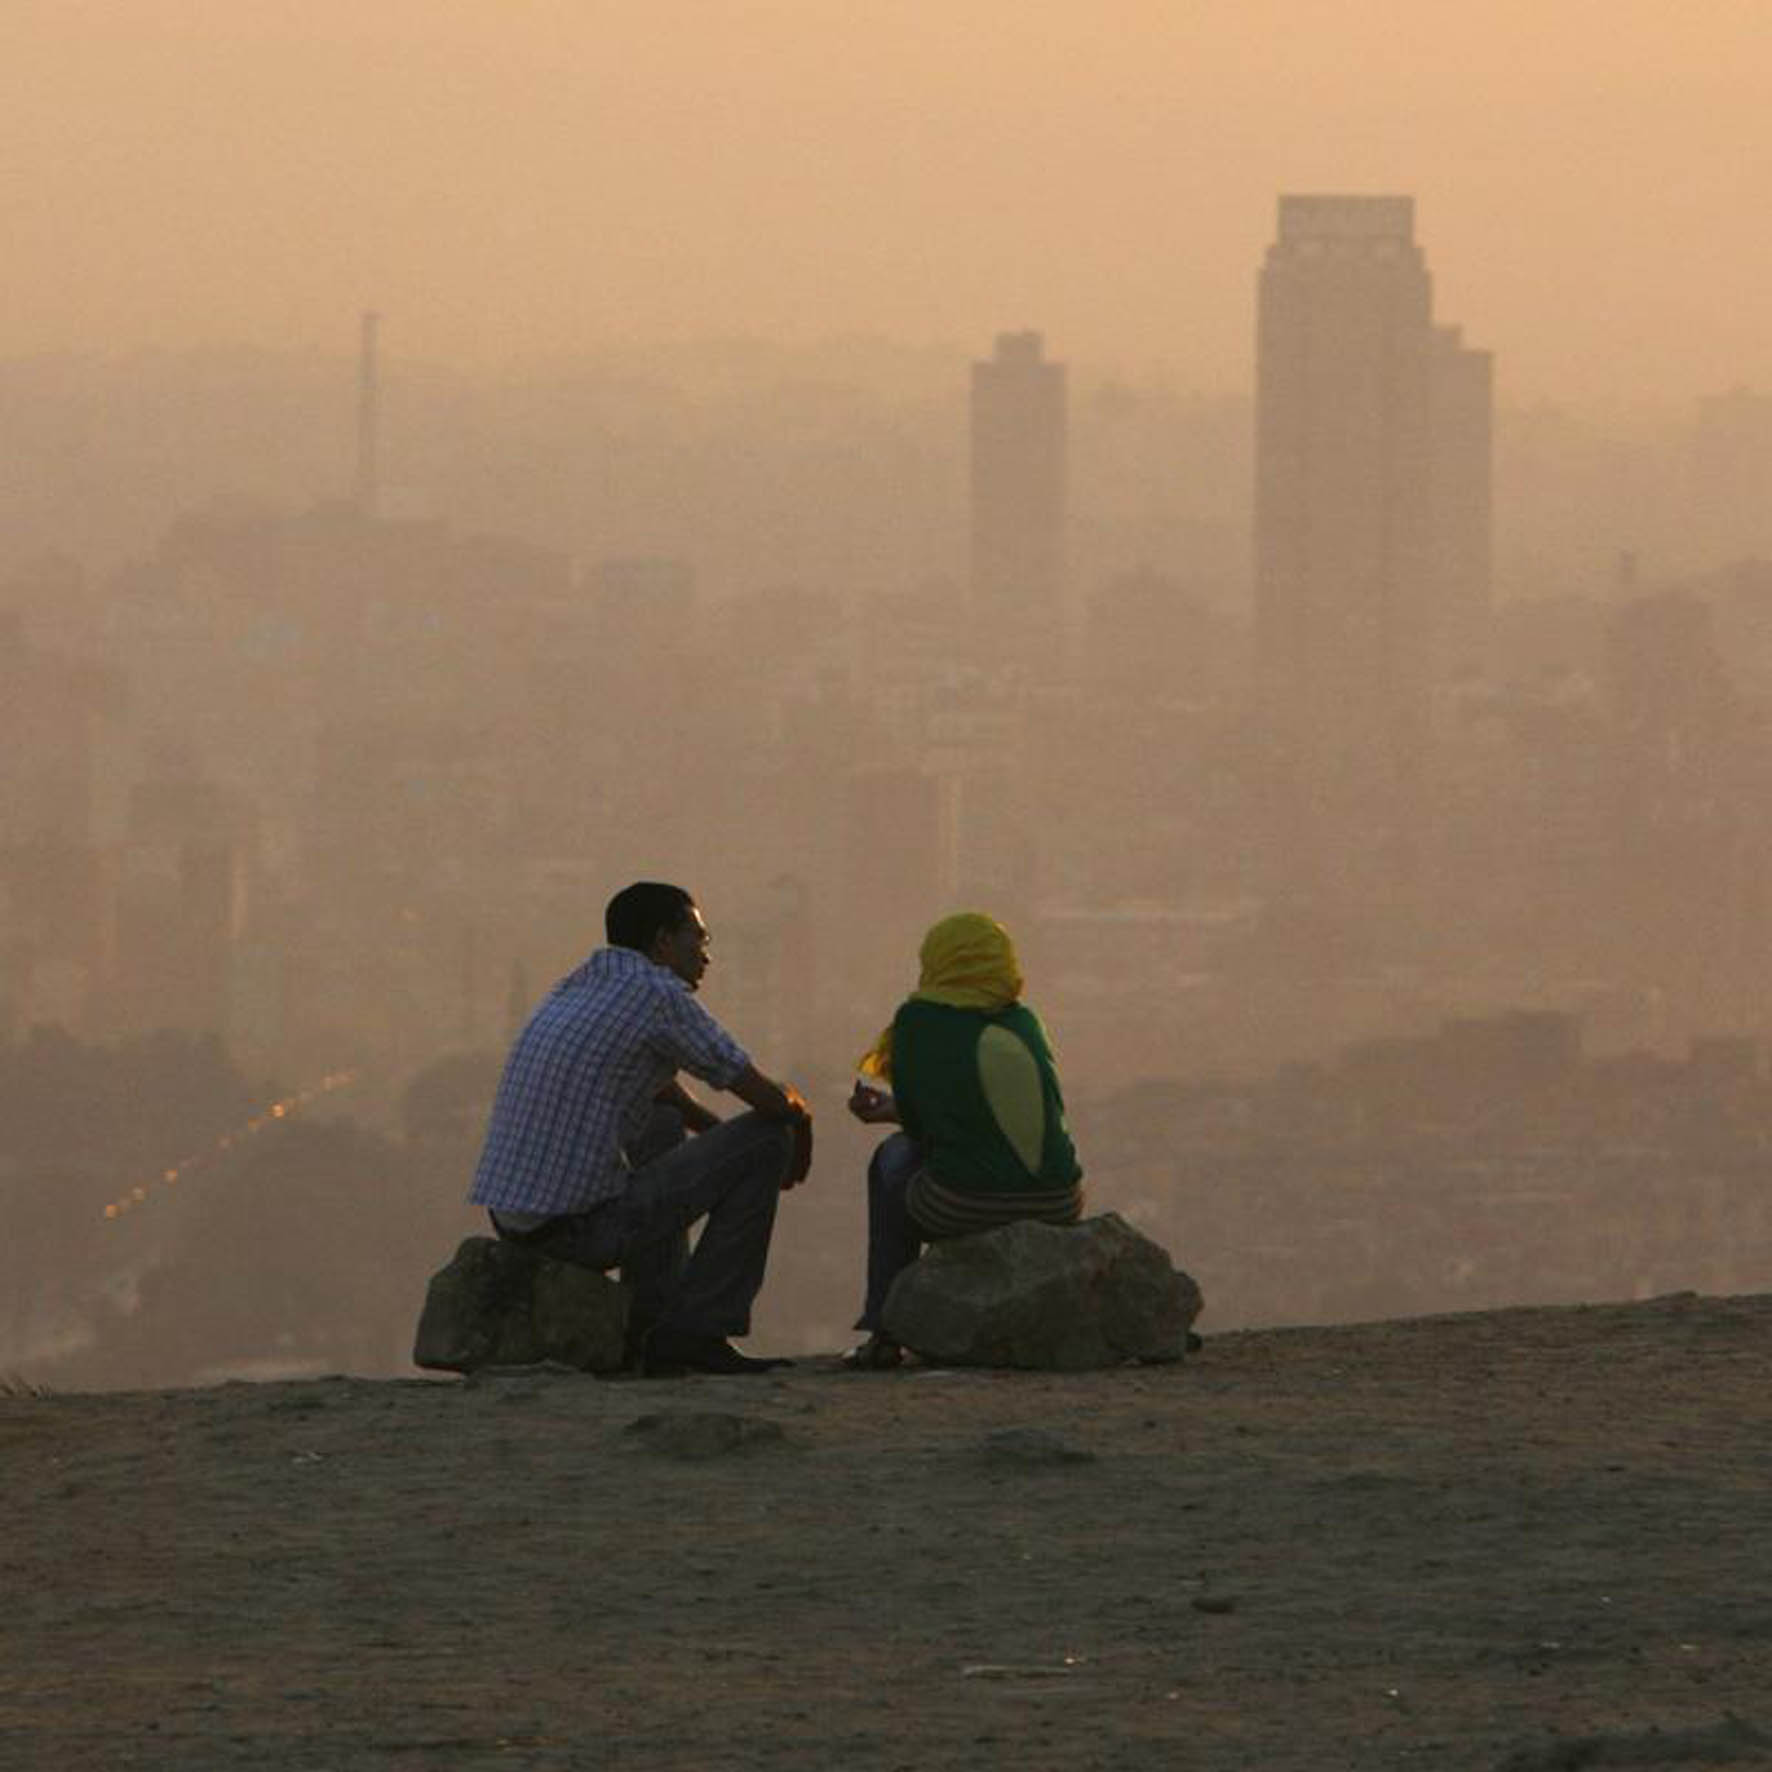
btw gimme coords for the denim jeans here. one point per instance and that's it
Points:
(731, 1176)
(895, 1239)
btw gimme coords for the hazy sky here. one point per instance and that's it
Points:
(505, 177)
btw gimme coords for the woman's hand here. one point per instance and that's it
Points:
(873, 1107)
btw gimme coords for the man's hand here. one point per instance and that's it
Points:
(800, 1165)
(779, 1101)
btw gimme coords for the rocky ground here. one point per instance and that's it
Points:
(1530, 1539)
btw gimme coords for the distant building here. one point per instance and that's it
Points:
(1461, 404)
(187, 872)
(62, 763)
(1731, 475)
(644, 590)
(1372, 515)
(896, 876)
(1020, 476)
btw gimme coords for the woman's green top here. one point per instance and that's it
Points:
(979, 1093)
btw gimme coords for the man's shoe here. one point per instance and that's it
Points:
(671, 1354)
(633, 1349)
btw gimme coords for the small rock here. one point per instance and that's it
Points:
(297, 1402)
(701, 1435)
(1032, 1447)
(1731, 1742)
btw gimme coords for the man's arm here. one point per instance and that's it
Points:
(773, 1100)
(696, 1118)
(779, 1101)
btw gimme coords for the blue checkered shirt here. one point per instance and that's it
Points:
(581, 1080)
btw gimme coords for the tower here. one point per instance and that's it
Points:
(1371, 535)
(1461, 403)
(1019, 481)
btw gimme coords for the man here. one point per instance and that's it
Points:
(586, 1159)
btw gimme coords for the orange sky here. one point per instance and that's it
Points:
(513, 176)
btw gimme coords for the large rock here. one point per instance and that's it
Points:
(497, 1304)
(1044, 1297)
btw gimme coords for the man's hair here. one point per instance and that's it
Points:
(637, 915)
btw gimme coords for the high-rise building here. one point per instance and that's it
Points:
(1371, 531)
(1461, 400)
(1019, 480)
(1731, 475)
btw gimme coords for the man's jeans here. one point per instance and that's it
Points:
(731, 1175)
(895, 1239)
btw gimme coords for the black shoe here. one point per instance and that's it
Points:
(633, 1345)
(670, 1354)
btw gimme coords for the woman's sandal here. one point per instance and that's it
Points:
(879, 1353)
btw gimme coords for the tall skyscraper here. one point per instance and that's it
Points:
(1371, 532)
(1461, 400)
(1019, 479)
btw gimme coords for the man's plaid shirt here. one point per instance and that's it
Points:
(581, 1080)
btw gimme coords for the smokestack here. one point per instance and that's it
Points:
(368, 417)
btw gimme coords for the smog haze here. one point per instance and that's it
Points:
(535, 179)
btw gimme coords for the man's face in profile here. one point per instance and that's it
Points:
(685, 949)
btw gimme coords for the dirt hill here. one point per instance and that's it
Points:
(1521, 1539)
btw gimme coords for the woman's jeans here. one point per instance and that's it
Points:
(895, 1239)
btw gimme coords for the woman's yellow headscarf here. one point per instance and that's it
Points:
(968, 962)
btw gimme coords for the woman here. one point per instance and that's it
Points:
(966, 1070)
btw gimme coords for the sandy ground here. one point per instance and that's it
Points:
(1521, 1539)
